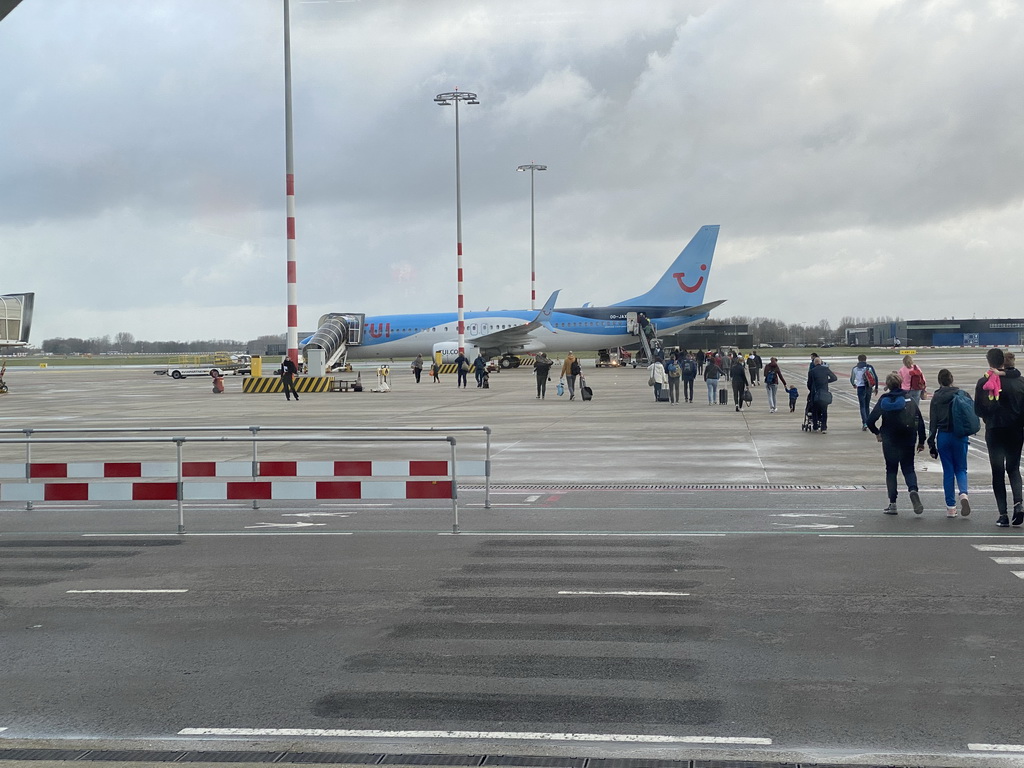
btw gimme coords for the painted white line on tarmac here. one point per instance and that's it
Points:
(3, 729)
(629, 593)
(507, 504)
(44, 506)
(581, 533)
(126, 592)
(493, 735)
(1008, 560)
(1018, 574)
(910, 535)
(999, 547)
(996, 747)
(264, 532)
(356, 505)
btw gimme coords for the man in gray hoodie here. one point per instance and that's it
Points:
(864, 378)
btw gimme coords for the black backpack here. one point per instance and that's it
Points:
(907, 418)
(574, 369)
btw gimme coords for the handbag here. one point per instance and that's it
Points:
(823, 397)
(747, 397)
(650, 382)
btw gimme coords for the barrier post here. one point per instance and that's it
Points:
(28, 463)
(455, 490)
(487, 470)
(255, 461)
(178, 441)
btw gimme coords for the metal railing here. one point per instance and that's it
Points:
(30, 436)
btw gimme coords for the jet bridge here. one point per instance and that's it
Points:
(15, 318)
(336, 333)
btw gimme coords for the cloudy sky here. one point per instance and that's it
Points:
(863, 157)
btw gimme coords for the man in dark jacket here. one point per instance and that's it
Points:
(738, 376)
(818, 379)
(901, 423)
(288, 372)
(1004, 432)
(462, 367)
(542, 368)
(480, 369)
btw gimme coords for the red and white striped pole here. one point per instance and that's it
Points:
(293, 301)
(445, 99)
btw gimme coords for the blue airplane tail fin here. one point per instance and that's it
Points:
(684, 282)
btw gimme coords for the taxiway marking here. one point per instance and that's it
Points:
(125, 592)
(633, 593)
(501, 735)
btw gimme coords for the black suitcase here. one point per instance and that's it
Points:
(586, 393)
(663, 395)
(723, 396)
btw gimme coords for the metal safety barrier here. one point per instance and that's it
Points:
(322, 479)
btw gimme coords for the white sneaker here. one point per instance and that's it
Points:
(965, 505)
(950, 512)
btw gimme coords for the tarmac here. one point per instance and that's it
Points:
(646, 585)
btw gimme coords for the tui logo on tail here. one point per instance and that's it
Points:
(689, 288)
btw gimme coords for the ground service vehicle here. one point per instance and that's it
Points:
(236, 364)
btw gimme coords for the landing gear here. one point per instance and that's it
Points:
(509, 361)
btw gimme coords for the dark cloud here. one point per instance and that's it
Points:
(143, 156)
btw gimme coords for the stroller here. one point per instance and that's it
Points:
(808, 423)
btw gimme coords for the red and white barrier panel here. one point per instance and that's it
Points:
(240, 490)
(142, 469)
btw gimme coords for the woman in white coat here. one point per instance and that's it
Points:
(658, 377)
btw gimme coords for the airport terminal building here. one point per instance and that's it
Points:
(1002, 332)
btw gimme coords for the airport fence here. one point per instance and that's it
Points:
(196, 480)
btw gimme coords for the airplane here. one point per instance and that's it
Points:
(674, 301)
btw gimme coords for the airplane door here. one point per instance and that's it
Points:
(631, 324)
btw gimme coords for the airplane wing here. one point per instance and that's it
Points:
(516, 337)
(700, 309)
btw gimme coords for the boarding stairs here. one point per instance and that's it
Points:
(336, 333)
(651, 346)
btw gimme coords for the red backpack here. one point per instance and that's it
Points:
(916, 379)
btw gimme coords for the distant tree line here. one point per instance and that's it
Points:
(769, 330)
(126, 344)
(764, 330)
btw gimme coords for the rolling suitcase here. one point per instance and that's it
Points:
(586, 393)
(723, 396)
(663, 395)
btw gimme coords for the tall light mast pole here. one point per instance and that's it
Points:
(444, 100)
(533, 237)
